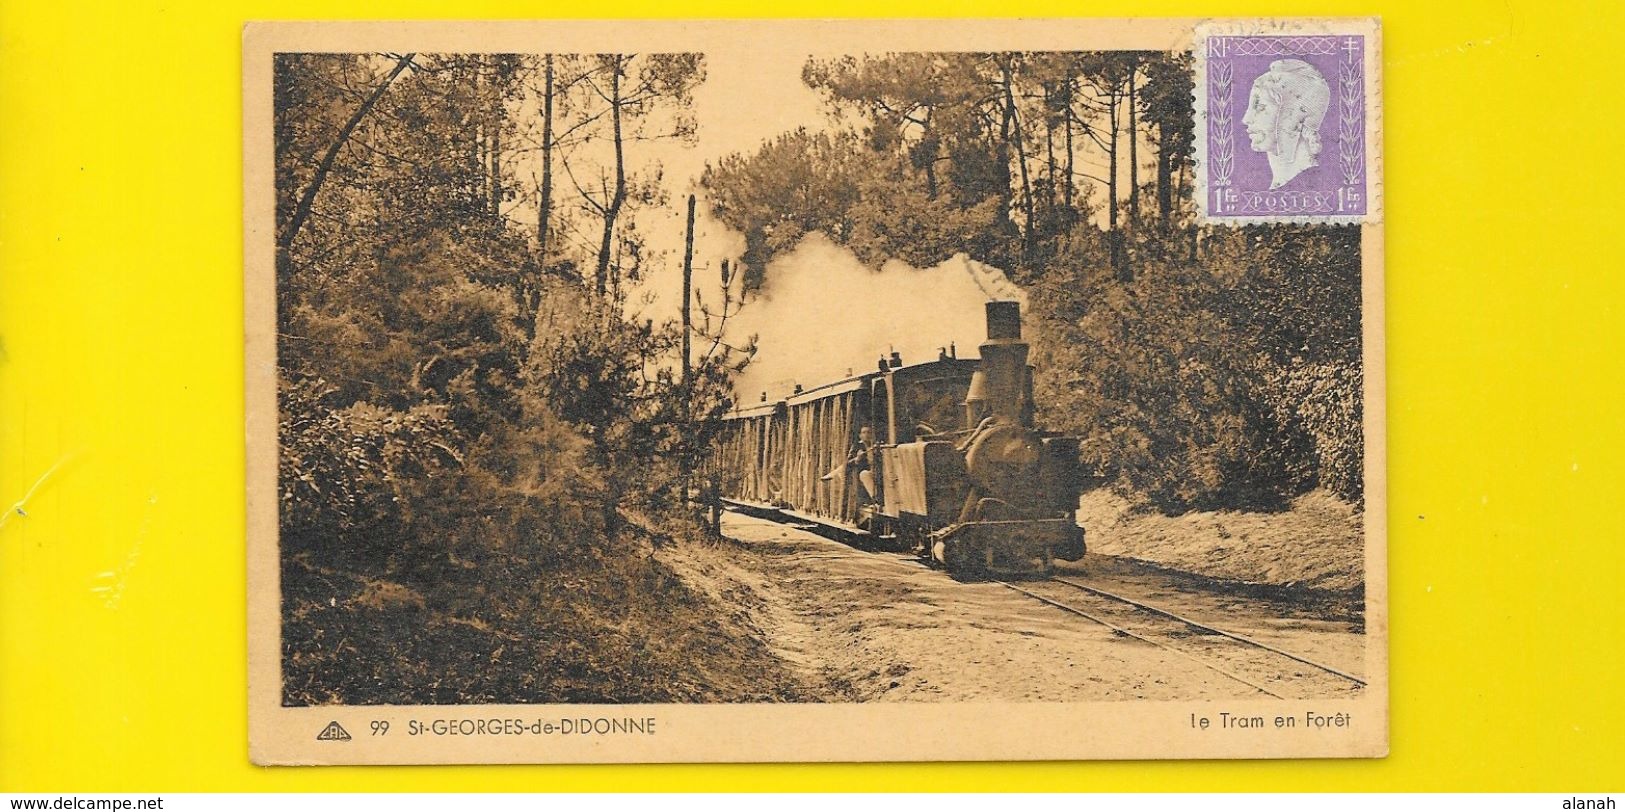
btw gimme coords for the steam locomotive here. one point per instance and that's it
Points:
(940, 458)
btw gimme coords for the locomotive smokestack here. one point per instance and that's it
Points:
(1004, 320)
(1002, 386)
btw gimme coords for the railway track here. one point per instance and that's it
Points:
(1268, 669)
(1212, 629)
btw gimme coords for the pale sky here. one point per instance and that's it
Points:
(748, 97)
(751, 94)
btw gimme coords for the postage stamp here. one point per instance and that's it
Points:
(795, 390)
(1287, 122)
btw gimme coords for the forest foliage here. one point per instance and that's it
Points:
(466, 398)
(1203, 367)
(469, 413)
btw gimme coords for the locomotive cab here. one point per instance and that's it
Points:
(915, 411)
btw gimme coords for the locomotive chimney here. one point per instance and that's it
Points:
(1002, 386)
(1003, 320)
(896, 360)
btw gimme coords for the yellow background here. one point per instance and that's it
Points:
(121, 591)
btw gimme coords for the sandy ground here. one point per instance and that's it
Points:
(863, 626)
(1324, 628)
(1315, 544)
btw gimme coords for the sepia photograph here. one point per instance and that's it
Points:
(724, 391)
(785, 399)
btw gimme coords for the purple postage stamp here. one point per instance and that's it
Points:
(1287, 122)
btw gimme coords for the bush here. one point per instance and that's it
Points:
(1195, 386)
(345, 473)
(1326, 403)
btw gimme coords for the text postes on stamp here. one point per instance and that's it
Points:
(1286, 120)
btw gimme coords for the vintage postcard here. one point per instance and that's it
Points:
(815, 391)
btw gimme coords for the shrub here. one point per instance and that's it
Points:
(343, 472)
(1189, 385)
(1326, 403)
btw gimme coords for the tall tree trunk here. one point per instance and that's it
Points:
(479, 177)
(1165, 177)
(301, 212)
(1071, 179)
(1013, 130)
(544, 205)
(688, 361)
(1006, 194)
(544, 211)
(614, 209)
(928, 137)
(495, 156)
(1111, 174)
(688, 301)
(1049, 143)
(1114, 235)
(1133, 144)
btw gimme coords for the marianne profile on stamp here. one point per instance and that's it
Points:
(1284, 113)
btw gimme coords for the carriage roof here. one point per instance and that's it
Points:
(906, 373)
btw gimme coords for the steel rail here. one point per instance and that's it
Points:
(914, 560)
(1215, 630)
(1120, 630)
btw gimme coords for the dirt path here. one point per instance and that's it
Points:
(860, 626)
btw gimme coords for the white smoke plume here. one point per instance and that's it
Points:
(822, 312)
